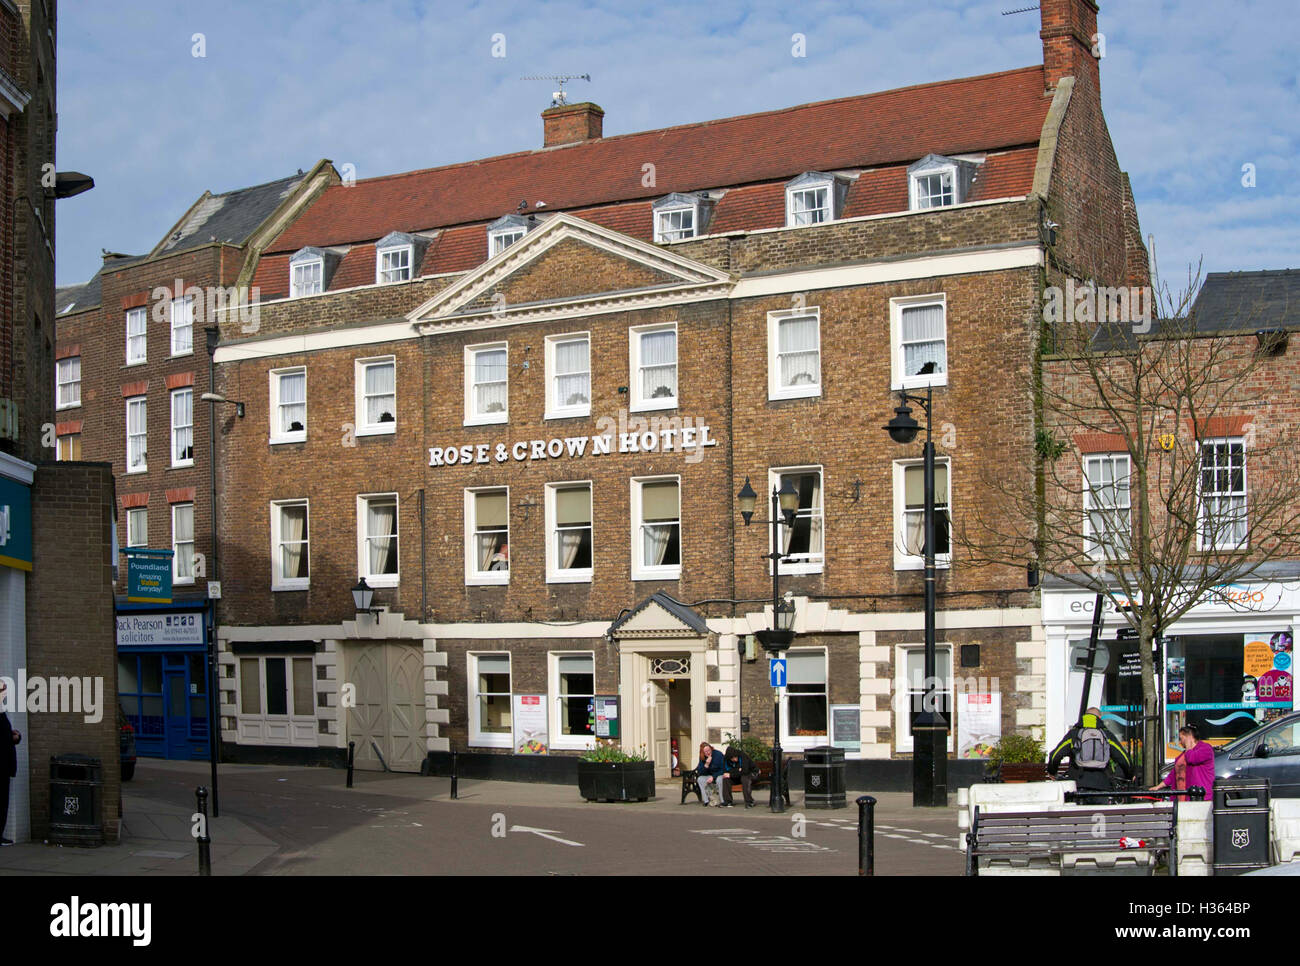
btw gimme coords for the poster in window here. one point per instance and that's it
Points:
(979, 724)
(530, 733)
(846, 727)
(606, 716)
(1267, 682)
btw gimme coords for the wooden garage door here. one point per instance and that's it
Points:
(388, 718)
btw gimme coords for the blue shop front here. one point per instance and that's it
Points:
(162, 676)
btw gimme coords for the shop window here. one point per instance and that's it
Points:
(805, 715)
(377, 539)
(289, 405)
(794, 354)
(912, 687)
(654, 367)
(376, 387)
(568, 383)
(657, 529)
(1108, 520)
(290, 546)
(489, 700)
(1222, 515)
(803, 544)
(909, 514)
(487, 384)
(568, 515)
(276, 687)
(573, 682)
(487, 536)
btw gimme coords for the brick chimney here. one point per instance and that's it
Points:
(571, 123)
(1068, 30)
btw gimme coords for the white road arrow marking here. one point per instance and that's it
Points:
(546, 833)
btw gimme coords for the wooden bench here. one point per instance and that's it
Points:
(764, 778)
(1061, 836)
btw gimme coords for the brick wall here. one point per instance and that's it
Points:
(72, 510)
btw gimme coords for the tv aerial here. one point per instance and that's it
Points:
(558, 98)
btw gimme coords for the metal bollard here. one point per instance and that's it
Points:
(453, 771)
(352, 754)
(866, 835)
(205, 840)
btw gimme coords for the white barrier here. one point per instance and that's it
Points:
(1284, 819)
(1195, 838)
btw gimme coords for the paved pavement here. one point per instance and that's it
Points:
(304, 821)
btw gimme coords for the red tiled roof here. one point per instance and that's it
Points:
(357, 267)
(742, 209)
(456, 250)
(1006, 175)
(985, 113)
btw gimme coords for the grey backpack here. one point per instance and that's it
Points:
(1093, 752)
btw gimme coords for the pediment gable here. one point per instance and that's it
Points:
(569, 267)
(659, 616)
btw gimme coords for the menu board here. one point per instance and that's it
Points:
(979, 724)
(530, 732)
(846, 726)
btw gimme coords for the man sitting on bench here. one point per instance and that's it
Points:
(709, 771)
(740, 768)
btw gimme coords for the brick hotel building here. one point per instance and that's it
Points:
(518, 397)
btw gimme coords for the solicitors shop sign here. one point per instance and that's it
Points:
(687, 436)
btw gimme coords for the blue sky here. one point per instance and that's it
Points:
(1193, 90)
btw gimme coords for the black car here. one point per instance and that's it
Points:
(127, 745)
(1271, 751)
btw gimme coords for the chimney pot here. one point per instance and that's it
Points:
(572, 123)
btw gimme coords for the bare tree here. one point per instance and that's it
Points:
(1189, 411)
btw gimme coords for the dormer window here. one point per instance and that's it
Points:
(680, 216)
(307, 272)
(505, 231)
(814, 198)
(394, 258)
(939, 182)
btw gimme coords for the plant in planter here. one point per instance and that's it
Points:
(608, 773)
(1017, 758)
(750, 745)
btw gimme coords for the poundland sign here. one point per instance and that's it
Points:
(680, 438)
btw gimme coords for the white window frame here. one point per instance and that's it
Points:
(140, 315)
(279, 582)
(638, 403)
(59, 457)
(134, 538)
(896, 306)
(1092, 546)
(473, 576)
(640, 569)
(554, 720)
(295, 287)
(182, 310)
(290, 436)
(827, 186)
(263, 728)
(793, 742)
(555, 574)
(775, 390)
(554, 408)
(903, 742)
(364, 536)
(665, 234)
(902, 559)
(948, 171)
(177, 460)
(1244, 495)
(63, 386)
(478, 738)
(381, 271)
(365, 428)
(774, 475)
(472, 416)
(177, 579)
(144, 465)
(503, 238)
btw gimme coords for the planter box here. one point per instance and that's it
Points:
(616, 781)
(1023, 772)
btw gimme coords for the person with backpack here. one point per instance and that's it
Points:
(740, 768)
(1095, 755)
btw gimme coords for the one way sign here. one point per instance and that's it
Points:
(776, 671)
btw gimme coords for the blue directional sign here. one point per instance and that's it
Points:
(776, 671)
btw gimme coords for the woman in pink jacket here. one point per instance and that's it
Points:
(1194, 768)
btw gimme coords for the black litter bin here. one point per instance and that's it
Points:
(76, 800)
(823, 778)
(1240, 825)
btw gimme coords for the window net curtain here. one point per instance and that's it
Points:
(805, 537)
(183, 424)
(293, 537)
(923, 335)
(573, 523)
(293, 402)
(182, 326)
(572, 374)
(136, 418)
(184, 537)
(490, 521)
(659, 365)
(135, 331)
(798, 351)
(914, 514)
(381, 393)
(381, 525)
(490, 381)
(660, 516)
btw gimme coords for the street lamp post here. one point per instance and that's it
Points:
(929, 726)
(785, 501)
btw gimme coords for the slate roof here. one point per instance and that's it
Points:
(675, 607)
(989, 113)
(229, 217)
(77, 298)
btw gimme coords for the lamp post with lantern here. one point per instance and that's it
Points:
(785, 502)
